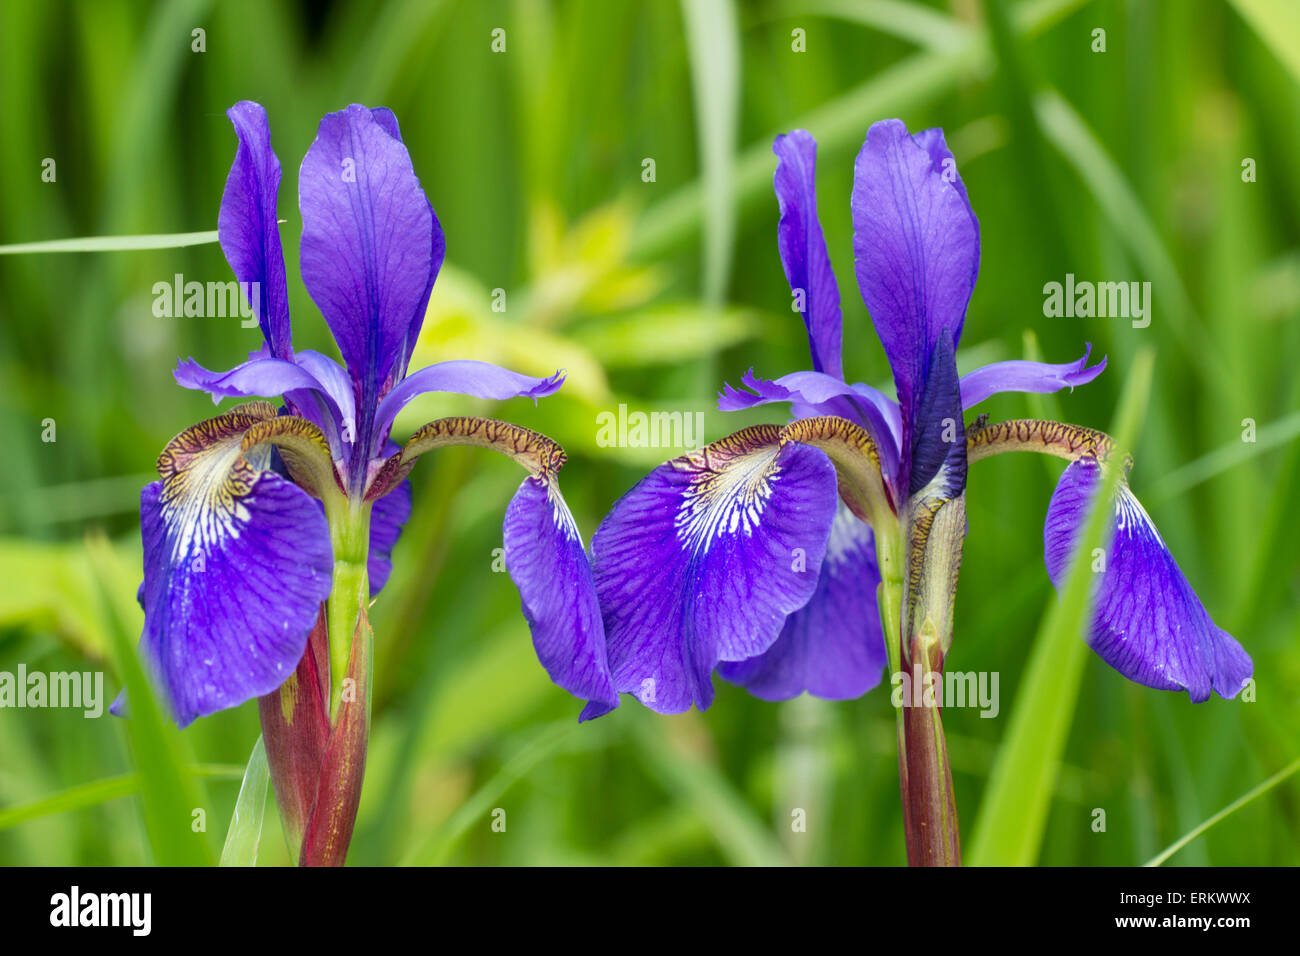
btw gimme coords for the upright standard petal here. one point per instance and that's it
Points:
(388, 120)
(237, 561)
(247, 225)
(368, 243)
(547, 561)
(832, 647)
(1147, 622)
(803, 249)
(916, 245)
(1019, 375)
(704, 560)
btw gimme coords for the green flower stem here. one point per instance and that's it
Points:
(350, 532)
(889, 555)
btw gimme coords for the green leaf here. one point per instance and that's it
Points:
(245, 832)
(1273, 435)
(173, 240)
(85, 795)
(439, 844)
(697, 782)
(1013, 815)
(713, 45)
(1277, 22)
(908, 21)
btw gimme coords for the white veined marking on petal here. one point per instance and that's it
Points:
(201, 508)
(1129, 509)
(727, 501)
(560, 512)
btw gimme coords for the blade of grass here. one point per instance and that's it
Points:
(713, 48)
(1013, 814)
(908, 21)
(245, 832)
(439, 844)
(174, 240)
(1273, 435)
(92, 794)
(694, 780)
(1227, 811)
(1277, 23)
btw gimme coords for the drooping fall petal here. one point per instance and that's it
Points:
(1147, 622)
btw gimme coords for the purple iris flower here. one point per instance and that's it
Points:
(267, 519)
(764, 555)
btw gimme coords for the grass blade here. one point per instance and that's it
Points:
(86, 795)
(435, 850)
(713, 43)
(696, 781)
(1227, 811)
(1277, 23)
(245, 831)
(174, 240)
(1273, 435)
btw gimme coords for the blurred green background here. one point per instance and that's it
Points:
(1125, 164)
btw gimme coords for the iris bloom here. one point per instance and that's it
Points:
(271, 528)
(772, 556)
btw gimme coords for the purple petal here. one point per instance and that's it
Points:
(936, 433)
(705, 558)
(465, 377)
(832, 647)
(333, 379)
(1147, 622)
(368, 244)
(247, 228)
(916, 244)
(262, 376)
(1019, 375)
(803, 248)
(815, 393)
(236, 565)
(387, 519)
(388, 120)
(933, 142)
(548, 563)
